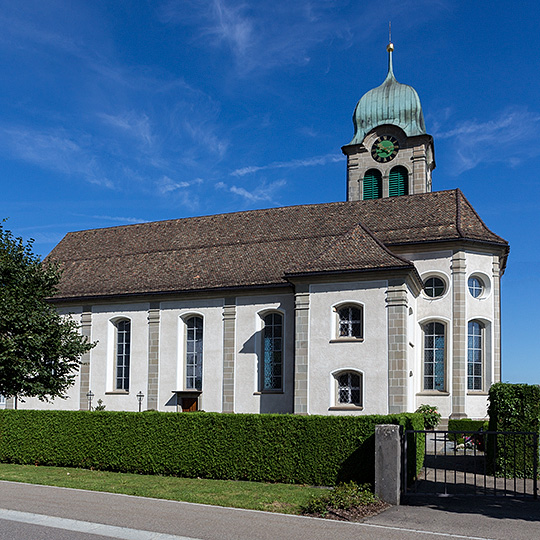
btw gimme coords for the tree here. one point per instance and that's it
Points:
(40, 350)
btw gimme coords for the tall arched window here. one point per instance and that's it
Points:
(434, 356)
(194, 353)
(398, 182)
(475, 354)
(123, 353)
(372, 184)
(272, 365)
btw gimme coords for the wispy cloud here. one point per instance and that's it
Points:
(167, 185)
(55, 150)
(293, 164)
(477, 142)
(133, 124)
(263, 192)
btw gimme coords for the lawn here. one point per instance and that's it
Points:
(283, 498)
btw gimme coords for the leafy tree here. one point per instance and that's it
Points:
(40, 350)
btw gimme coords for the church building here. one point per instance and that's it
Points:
(374, 305)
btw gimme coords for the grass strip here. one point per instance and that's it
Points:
(282, 498)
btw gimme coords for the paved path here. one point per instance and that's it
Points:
(30, 511)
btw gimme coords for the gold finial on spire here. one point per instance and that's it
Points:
(390, 46)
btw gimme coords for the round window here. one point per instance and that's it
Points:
(434, 287)
(476, 286)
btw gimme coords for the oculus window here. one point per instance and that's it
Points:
(476, 286)
(434, 287)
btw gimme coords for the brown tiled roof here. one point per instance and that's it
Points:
(259, 247)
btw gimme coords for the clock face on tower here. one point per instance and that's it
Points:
(385, 149)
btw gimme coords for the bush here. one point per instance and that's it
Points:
(513, 408)
(431, 416)
(344, 497)
(316, 450)
(465, 426)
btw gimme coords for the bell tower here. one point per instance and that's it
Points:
(390, 154)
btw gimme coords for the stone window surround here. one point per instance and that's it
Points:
(436, 274)
(182, 347)
(112, 352)
(432, 391)
(335, 337)
(334, 394)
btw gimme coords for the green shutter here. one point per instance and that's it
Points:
(372, 184)
(398, 183)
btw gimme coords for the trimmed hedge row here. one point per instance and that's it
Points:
(513, 407)
(316, 450)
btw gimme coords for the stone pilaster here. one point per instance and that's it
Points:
(152, 397)
(229, 353)
(301, 352)
(497, 365)
(459, 335)
(397, 310)
(84, 370)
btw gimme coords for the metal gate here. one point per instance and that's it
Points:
(488, 463)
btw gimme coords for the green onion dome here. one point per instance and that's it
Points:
(390, 103)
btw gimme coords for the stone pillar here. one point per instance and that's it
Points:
(152, 391)
(84, 370)
(229, 353)
(388, 463)
(301, 352)
(459, 335)
(397, 309)
(496, 279)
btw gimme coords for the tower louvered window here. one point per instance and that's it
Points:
(372, 184)
(398, 182)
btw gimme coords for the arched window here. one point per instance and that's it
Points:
(123, 353)
(475, 355)
(194, 352)
(272, 357)
(350, 322)
(372, 184)
(434, 356)
(398, 182)
(349, 388)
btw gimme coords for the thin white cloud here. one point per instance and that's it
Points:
(133, 124)
(120, 219)
(263, 192)
(167, 185)
(54, 150)
(293, 164)
(476, 142)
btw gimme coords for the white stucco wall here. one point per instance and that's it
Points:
(327, 355)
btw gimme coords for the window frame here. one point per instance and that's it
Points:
(377, 181)
(336, 333)
(263, 352)
(198, 355)
(481, 288)
(339, 405)
(482, 349)
(444, 325)
(120, 381)
(425, 286)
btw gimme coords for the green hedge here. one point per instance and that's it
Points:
(465, 425)
(316, 450)
(513, 407)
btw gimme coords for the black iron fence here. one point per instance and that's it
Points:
(494, 463)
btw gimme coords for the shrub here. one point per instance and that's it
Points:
(513, 408)
(344, 496)
(430, 414)
(316, 450)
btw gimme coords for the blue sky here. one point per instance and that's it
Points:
(122, 111)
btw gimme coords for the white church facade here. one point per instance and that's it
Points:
(374, 305)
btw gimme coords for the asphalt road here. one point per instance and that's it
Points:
(32, 512)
